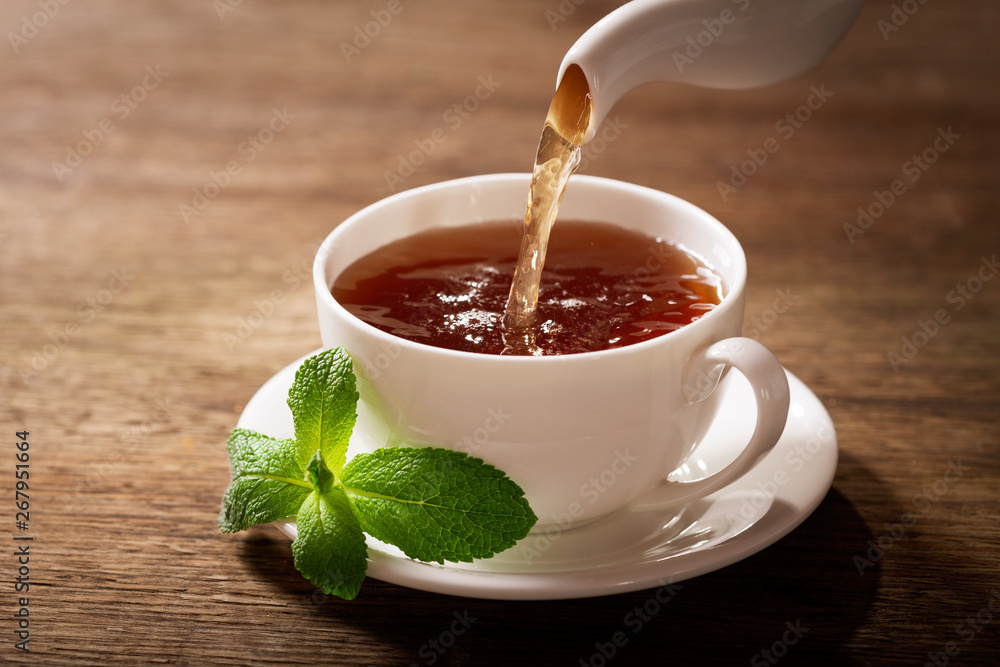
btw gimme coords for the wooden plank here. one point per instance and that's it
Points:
(123, 352)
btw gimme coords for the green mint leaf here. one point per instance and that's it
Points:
(267, 481)
(330, 548)
(436, 504)
(324, 399)
(319, 475)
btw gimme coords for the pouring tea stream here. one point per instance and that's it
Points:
(727, 44)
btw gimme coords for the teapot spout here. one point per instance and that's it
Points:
(729, 44)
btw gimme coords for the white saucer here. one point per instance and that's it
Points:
(626, 551)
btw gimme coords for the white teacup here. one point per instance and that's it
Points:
(583, 434)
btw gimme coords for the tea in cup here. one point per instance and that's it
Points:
(587, 433)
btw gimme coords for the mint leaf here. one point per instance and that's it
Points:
(319, 475)
(330, 548)
(267, 481)
(323, 399)
(436, 504)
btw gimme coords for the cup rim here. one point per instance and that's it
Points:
(730, 300)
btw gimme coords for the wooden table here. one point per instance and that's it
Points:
(169, 168)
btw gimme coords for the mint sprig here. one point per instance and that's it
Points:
(268, 481)
(324, 399)
(465, 508)
(434, 504)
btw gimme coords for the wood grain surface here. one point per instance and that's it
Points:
(134, 332)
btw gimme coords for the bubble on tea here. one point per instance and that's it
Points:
(449, 287)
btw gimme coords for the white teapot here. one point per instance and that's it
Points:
(730, 44)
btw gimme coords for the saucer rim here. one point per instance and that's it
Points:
(606, 579)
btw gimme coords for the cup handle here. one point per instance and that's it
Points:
(770, 389)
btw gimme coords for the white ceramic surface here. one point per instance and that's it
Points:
(587, 433)
(714, 43)
(627, 551)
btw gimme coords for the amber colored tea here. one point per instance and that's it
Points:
(602, 287)
(557, 157)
